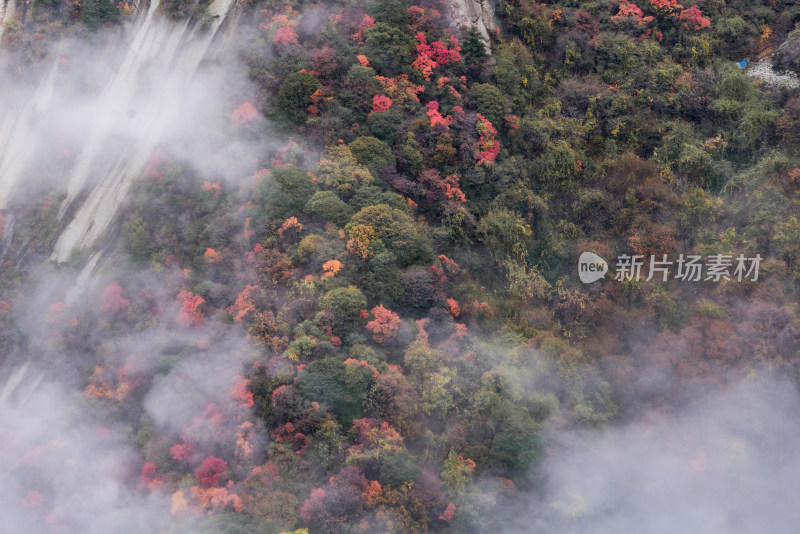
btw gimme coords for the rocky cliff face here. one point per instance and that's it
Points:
(478, 13)
(113, 132)
(165, 56)
(788, 54)
(7, 12)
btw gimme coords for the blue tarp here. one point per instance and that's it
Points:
(742, 63)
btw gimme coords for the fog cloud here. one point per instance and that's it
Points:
(724, 465)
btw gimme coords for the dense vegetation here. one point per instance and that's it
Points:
(403, 259)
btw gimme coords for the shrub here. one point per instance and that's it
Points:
(293, 100)
(373, 154)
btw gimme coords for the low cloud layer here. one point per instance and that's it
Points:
(725, 465)
(63, 470)
(70, 456)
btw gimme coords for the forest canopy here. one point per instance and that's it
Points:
(380, 312)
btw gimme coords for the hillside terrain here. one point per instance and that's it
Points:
(295, 267)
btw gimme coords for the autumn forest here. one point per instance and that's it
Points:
(272, 266)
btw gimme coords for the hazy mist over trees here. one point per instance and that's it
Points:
(314, 267)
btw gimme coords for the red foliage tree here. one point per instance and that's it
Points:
(181, 451)
(190, 313)
(290, 228)
(455, 310)
(693, 19)
(372, 492)
(366, 22)
(667, 6)
(628, 11)
(212, 186)
(244, 303)
(449, 265)
(381, 103)
(437, 189)
(324, 60)
(384, 325)
(434, 115)
(313, 509)
(244, 113)
(512, 124)
(449, 512)
(331, 268)
(113, 299)
(212, 256)
(284, 36)
(431, 56)
(586, 22)
(240, 393)
(423, 19)
(287, 438)
(210, 471)
(148, 476)
(488, 145)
